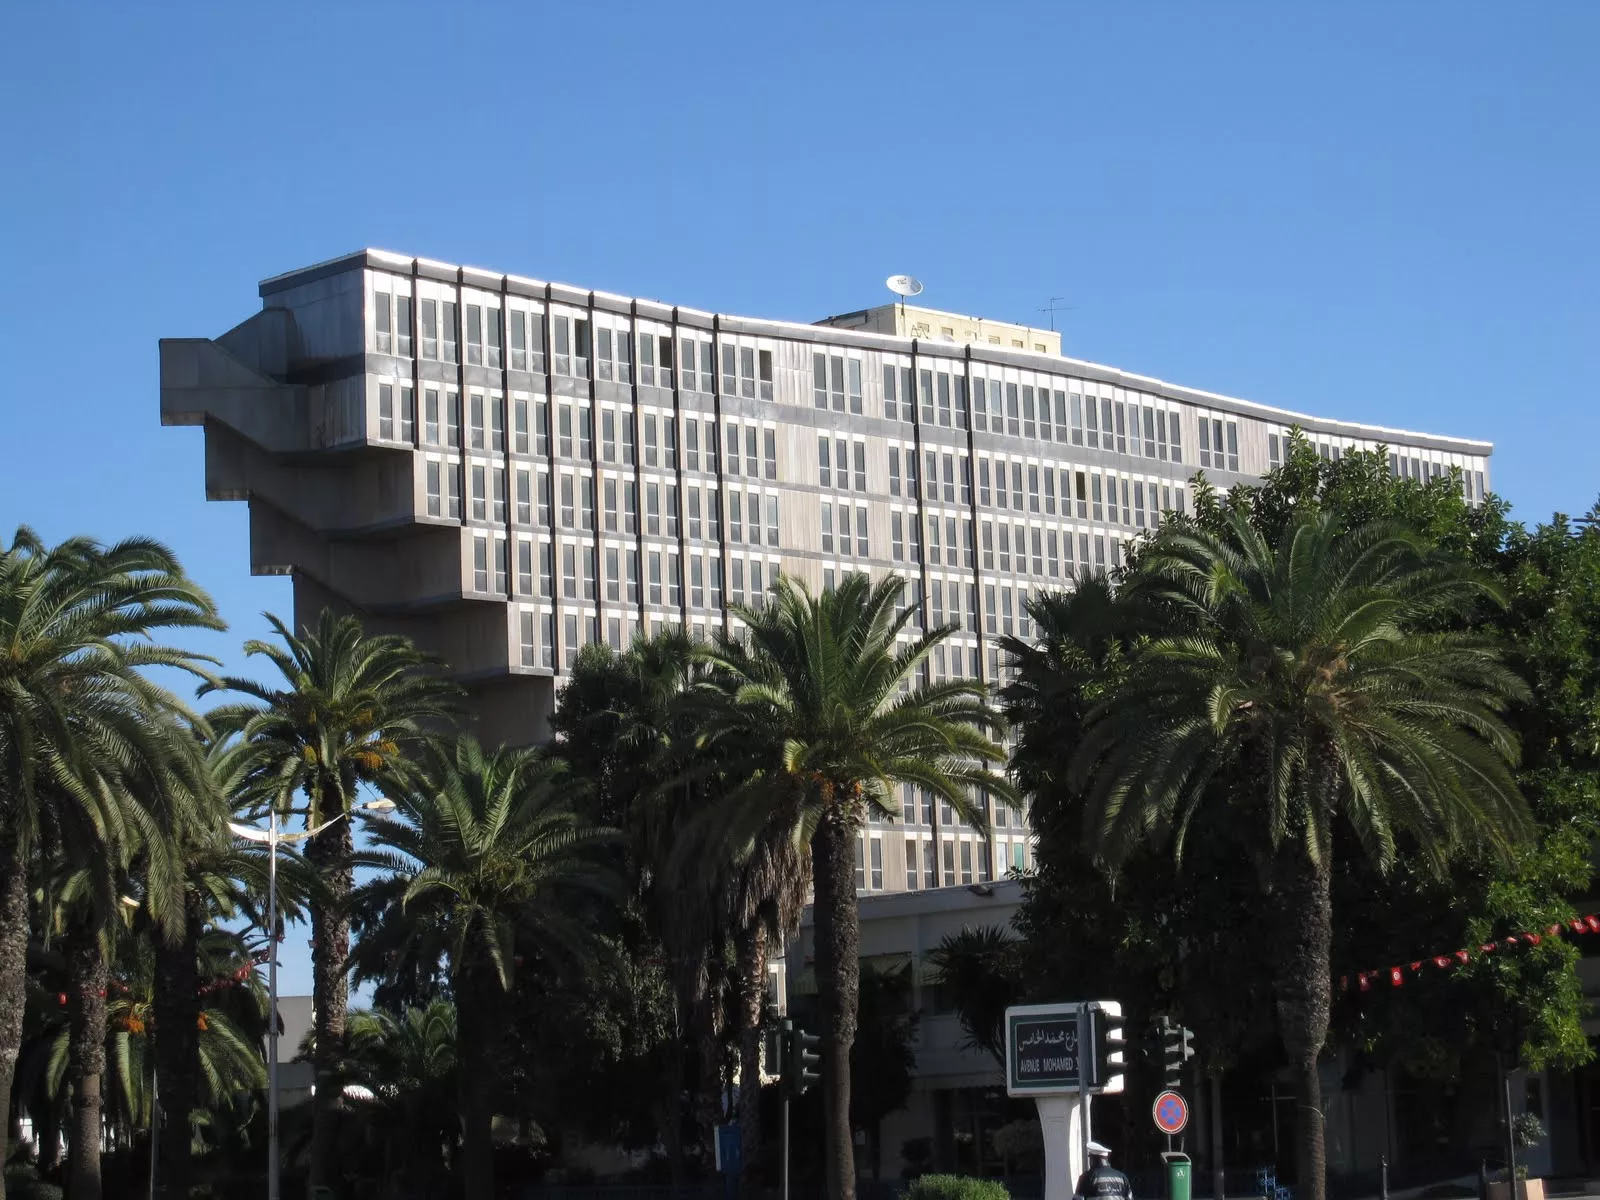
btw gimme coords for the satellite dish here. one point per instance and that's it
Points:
(903, 285)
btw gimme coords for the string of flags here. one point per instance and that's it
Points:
(1396, 975)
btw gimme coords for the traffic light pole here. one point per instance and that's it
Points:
(785, 1086)
(1085, 1050)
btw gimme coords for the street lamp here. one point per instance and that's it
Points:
(273, 837)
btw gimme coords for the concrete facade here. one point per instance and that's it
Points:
(506, 469)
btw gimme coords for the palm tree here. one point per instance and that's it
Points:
(216, 878)
(485, 855)
(228, 1025)
(763, 886)
(78, 719)
(978, 972)
(1299, 682)
(818, 696)
(406, 1064)
(350, 706)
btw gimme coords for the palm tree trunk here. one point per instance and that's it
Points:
(477, 1041)
(708, 1070)
(838, 966)
(672, 1129)
(1304, 997)
(177, 1048)
(752, 953)
(13, 981)
(86, 1056)
(330, 851)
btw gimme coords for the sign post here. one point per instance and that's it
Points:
(1060, 1055)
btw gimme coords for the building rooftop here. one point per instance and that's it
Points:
(872, 337)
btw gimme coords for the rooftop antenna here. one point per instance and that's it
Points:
(1051, 309)
(903, 286)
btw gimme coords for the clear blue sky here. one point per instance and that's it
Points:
(1371, 211)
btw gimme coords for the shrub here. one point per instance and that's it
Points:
(23, 1184)
(955, 1187)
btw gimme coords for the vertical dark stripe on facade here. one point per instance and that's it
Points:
(684, 574)
(721, 454)
(596, 522)
(557, 634)
(461, 408)
(972, 510)
(976, 613)
(507, 438)
(641, 571)
(922, 566)
(416, 375)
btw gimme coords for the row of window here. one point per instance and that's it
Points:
(1090, 489)
(1025, 411)
(964, 860)
(1016, 409)
(917, 808)
(1020, 410)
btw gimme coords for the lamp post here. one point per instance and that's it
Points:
(273, 837)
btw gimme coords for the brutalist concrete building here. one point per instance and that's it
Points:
(507, 469)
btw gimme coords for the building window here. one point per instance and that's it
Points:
(480, 564)
(526, 638)
(381, 322)
(1219, 444)
(430, 329)
(435, 500)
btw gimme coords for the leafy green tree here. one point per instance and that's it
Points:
(485, 854)
(350, 707)
(821, 699)
(1525, 1006)
(621, 725)
(80, 718)
(1306, 673)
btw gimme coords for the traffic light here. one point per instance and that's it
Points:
(1109, 1041)
(800, 1059)
(1177, 1048)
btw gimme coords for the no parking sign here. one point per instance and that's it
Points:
(1171, 1113)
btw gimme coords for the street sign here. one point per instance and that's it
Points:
(1042, 1049)
(1048, 1054)
(1171, 1113)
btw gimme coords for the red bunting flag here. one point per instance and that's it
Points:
(1578, 926)
(1365, 981)
(1462, 956)
(1416, 966)
(1593, 922)
(1487, 947)
(1395, 977)
(1441, 961)
(1554, 930)
(1533, 939)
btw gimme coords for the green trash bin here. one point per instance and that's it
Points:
(1179, 1177)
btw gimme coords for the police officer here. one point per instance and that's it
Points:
(1102, 1181)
